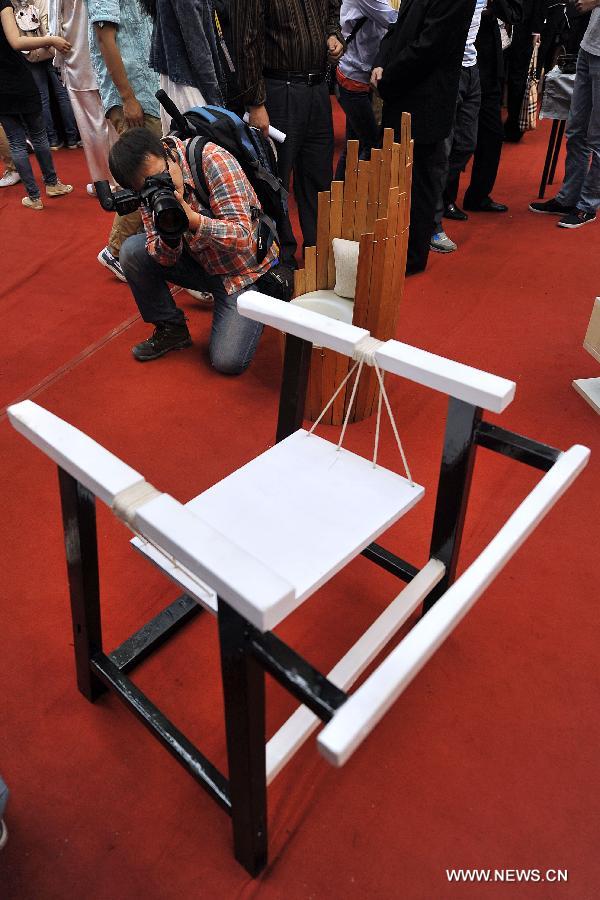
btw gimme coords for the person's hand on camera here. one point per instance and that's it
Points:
(335, 49)
(133, 112)
(60, 44)
(376, 76)
(258, 117)
(584, 6)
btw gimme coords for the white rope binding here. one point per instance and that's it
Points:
(127, 502)
(364, 353)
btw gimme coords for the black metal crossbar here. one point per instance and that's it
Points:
(516, 446)
(390, 562)
(154, 633)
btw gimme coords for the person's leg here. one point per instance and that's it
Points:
(427, 159)
(64, 104)
(578, 150)
(97, 133)
(288, 111)
(36, 129)
(5, 154)
(486, 159)
(17, 141)
(124, 226)
(360, 125)
(589, 199)
(520, 52)
(40, 76)
(233, 338)
(313, 171)
(465, 130)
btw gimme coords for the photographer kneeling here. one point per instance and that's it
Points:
(217, 253)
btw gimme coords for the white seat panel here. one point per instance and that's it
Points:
(304, 509)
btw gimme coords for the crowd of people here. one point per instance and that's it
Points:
(446, 62)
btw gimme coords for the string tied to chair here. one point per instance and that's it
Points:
(127, 502)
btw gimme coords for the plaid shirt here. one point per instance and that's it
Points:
(226, 244)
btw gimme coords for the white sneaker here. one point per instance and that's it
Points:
(9, 178)
(91, 190)
(441, 243)
(110, 262)
(203, 297)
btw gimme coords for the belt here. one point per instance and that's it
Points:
(309, 78)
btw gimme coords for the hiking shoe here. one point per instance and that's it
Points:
(9, 178)
(576, 219)
(165, 337)
(32, 203)
(441, 243)
(550, 207)
(106, 259)
(58, 189)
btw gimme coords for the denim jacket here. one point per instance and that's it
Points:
(184, 46)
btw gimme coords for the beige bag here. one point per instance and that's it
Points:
(528, 114)
(32, 22)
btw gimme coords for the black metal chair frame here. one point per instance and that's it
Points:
(247, 653)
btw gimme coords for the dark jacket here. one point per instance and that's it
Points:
(490, 57)
(421, 58)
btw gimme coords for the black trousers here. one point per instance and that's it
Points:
(490, 133)
(428, 161)
(518, 58)
(303, 113)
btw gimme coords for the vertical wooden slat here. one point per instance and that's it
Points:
(386, 171)
(362, 198)
(299, 282)
(350, 190)
(366, 387)
(363, 280)
(373, 202)
(314, 391)
(310, 267)
(335, 226)
(395, 167)
(341, 370)
(323, 240)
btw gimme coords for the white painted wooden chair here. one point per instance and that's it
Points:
(255, 546)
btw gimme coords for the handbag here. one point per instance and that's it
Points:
(28, 21)
(528, 113)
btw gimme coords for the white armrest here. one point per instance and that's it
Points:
(453, 378)
(102, 473)
(361, 712)
(302, 323)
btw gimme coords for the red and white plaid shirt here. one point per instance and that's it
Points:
(226, 244)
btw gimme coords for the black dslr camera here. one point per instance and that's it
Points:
(157, 195)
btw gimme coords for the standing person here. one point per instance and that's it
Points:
(184, 53)
(32, 13)
(21, 108)
(579, 197)
(462, 140)
(69, 19)
(418, 71)
(281, 53)
(526, 36)
(366, 22)
(120, 33)
(10, 175)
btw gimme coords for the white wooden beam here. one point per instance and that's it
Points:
(301, 724)
(361, 712)
(453, 378)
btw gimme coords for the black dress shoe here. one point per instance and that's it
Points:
(453, 212)
(486, 205)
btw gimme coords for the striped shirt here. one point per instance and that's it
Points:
(283, 35)
(225, 242)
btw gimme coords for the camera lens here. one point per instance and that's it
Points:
(169, 217)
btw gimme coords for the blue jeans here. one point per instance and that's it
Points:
(233, 339)
(17, 129)
(361, 126)
(46, 77)
(581, 186)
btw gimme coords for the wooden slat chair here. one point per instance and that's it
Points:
(372, 206)
(258, 544)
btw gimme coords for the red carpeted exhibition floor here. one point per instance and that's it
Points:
(489, 760)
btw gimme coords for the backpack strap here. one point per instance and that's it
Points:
(193, 154)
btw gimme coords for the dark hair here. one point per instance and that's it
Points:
(130, 151)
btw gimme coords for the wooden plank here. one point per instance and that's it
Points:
(373, 203)
(299, 282)
(363, 280)
(314, 394)
(323, 239)
(592, 336)
(589, 389)
(290, 737)
(310, 267)
(362, 198)
(361, 712)
(395, 169)
(329, 384)
(342, 366)
(386, 172)
(350, 190)
(368, 385)
(335, 226)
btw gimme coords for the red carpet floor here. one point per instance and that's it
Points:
(489, 760)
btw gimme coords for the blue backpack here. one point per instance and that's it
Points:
(253, 152)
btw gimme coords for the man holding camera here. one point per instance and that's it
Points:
(216, 249)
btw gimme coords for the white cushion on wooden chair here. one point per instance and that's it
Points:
(345, 254)
(304, 509)
(327, 303)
